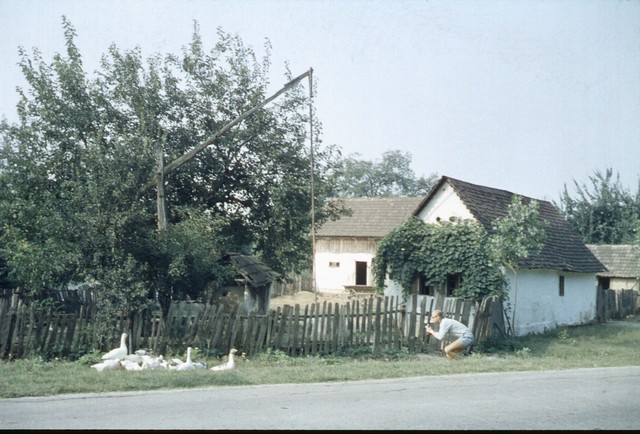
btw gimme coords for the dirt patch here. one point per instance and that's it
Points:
(304, 298)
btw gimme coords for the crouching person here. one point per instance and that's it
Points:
(453, 327)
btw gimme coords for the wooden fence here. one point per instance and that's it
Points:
(616, 303)
(63, 324)
(382, 324)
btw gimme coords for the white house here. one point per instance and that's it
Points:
(345, 248)
(554, 288)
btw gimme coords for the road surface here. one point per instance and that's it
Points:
(577, 399)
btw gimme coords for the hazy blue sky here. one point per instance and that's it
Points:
(521, 95)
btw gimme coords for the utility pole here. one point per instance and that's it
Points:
(313, 194)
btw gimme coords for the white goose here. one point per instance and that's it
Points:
(107, 365)
(188, 364)
(149, 362)
(231, 363)
(130, 365)
(120, 352)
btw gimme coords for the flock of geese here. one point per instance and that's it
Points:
(120, 359)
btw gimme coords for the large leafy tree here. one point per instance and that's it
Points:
(77, 199)
(603, 212)
(390, 176)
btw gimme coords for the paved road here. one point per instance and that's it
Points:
(585, 399)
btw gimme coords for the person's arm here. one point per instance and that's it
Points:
(442, 330)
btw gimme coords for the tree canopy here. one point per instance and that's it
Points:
(391, 176)
(73, 206)
(603, 212)
(519, 234)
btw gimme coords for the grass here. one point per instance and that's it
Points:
(598, 345)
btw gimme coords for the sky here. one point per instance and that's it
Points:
(526, 96)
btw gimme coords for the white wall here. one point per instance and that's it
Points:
(538, 305)
(620, 283)
(444, 205)
(392, 289)
(332, 280)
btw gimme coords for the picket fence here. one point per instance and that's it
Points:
(64, 324)
(379, 323)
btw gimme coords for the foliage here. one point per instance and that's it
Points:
(604, 212)
(434, 251)
(517, 235)
(77, 196)
(392, 176)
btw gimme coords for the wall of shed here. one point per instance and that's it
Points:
(623, 283)
(539, 306)
(335, 262)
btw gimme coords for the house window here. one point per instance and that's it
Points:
(561, 286)
(605, 282)
(454, 281)
(420, 286)
(428, 290)
(361, 273)
(334, 264)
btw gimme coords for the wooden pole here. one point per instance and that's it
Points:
(313, 199)
(192, 153)
(162, 213)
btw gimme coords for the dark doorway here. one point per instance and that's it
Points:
(361, 273)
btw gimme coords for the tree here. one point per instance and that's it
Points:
(604, 213)
(72, 206)
(392, 176)
(519, 234)
(516, 236)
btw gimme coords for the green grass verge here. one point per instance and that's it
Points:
(598, 345)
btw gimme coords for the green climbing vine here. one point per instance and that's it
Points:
(435, 251)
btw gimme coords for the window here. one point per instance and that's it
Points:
(454, 281)
(361, 273)
(334, 264)
(421, 287)
(561, 286)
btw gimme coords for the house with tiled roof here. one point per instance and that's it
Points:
(552, 288)
(623, 265)
(345, 248)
